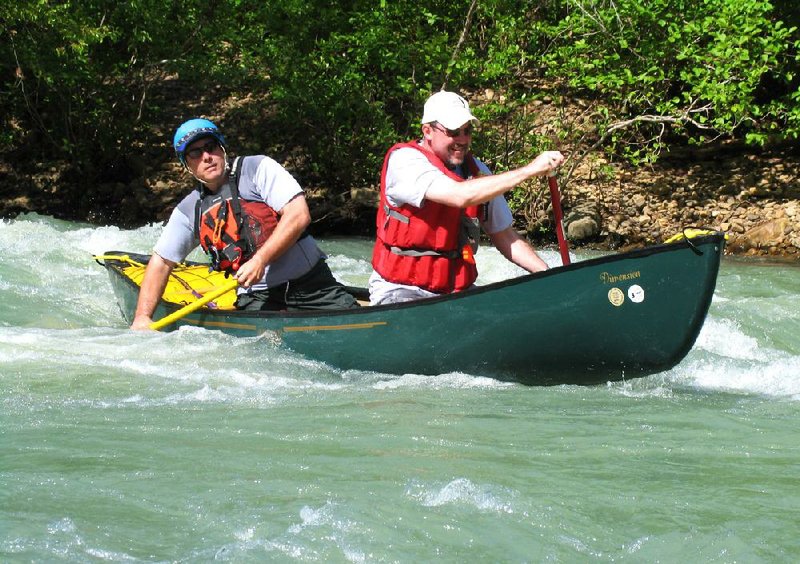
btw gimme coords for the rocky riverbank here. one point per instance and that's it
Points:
(752, 197)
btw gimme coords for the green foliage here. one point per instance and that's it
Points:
(698, 70)
(85, 80)
(82, 68)
(356, 75)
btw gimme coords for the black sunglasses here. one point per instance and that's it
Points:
(207, 147)
(466, 130)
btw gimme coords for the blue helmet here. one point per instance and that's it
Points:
(192, 130)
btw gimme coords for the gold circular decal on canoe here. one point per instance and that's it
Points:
(616, 296)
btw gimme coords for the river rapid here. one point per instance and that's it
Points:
(193, 446)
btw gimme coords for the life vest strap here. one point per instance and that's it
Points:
(394, 214)
(423, 253)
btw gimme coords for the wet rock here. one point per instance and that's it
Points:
(364, 197)
(583, 222)
(766, 235)
(582, 229)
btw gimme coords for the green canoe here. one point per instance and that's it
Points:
(618, 316)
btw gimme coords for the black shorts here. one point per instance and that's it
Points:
(317, 289)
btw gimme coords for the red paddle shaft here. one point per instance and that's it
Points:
(559, 218)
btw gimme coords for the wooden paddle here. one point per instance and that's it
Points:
(559, 218)
(171, 318)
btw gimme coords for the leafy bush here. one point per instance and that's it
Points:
(344, 80)
(698, 70)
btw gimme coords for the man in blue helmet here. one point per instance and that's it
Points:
(250, 216)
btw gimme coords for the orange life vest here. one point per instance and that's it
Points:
(430, 247)
(229, 228)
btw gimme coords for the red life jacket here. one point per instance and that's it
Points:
(230, 228)
(430, 247)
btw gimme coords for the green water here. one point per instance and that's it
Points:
(193, 446)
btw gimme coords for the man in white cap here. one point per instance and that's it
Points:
(435, 197)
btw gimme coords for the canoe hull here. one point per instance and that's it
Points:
(620, 316)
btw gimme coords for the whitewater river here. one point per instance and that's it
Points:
(193, 446)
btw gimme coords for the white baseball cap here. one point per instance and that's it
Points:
(447, 108)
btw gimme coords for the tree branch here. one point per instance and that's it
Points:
(461, 39)
(663, 120)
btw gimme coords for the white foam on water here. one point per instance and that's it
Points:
(152, 369)
(724, 337)
(456, 380)
(725, 358)
(320, 531)
(64, 541)
(780, 377)
(349, 270)
(462, 491)
(494, 267)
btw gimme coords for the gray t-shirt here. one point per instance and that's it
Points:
(261, 179)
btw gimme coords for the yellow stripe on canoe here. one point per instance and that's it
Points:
(344, 327)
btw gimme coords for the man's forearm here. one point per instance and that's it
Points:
(152, 288)
(485, 188)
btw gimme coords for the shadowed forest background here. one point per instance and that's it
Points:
(640, 94)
